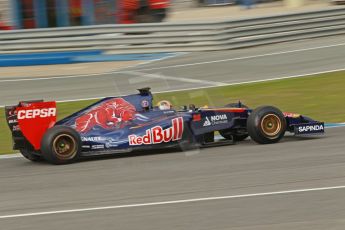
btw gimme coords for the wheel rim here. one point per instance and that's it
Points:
(65, 147)
(271, 125)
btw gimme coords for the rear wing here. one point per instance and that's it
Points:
(28, 121)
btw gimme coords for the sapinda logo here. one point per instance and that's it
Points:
(310, 128)
(157, 134)
(34, 113)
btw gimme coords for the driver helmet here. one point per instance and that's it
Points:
(164, 105)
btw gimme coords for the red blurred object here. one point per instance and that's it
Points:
(75, 8)
(3, 26)
(28, 14)
(130, 4)
(29, 23)
(197, 117)
(158, 4)
(142, 11)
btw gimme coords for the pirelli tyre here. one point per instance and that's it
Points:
(61, 145)
(266, 125)
(227, 134)
(30, 155)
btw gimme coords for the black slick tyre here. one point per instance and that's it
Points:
(61, 145)
(266, 125)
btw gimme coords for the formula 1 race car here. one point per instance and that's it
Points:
(127, 123)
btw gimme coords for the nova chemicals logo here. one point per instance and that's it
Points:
(207, 122)
(215, 120)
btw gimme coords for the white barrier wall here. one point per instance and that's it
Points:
(5, 10)
(175, 37)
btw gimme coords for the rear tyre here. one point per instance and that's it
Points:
(266, 125)
(30, 155)
(61, 145)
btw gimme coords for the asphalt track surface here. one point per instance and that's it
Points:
(309, 171)
(296, 184)
(186, 71)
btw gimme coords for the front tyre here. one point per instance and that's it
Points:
(61, 145)
(266, 125)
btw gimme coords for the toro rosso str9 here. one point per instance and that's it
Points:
(127, 123)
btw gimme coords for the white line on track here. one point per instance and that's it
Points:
(10, 156)
(164, 77)
(175, 66)
(51, 78)
(171, 202)
(173, 55)
(212, 86)
(256, 81)
(243, 58)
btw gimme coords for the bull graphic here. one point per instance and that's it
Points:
(107, 115)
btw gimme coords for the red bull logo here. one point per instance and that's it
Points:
(157, 134)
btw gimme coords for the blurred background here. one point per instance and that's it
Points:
(27, 14)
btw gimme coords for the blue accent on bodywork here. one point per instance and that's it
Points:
(133, 99)
(104, 130)
(116, 137)
(200, 127)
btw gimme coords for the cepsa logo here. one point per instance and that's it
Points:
(157, 134)
(34, 113)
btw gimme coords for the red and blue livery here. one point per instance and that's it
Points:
(128, 123)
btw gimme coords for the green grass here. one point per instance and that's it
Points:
(321, 97)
